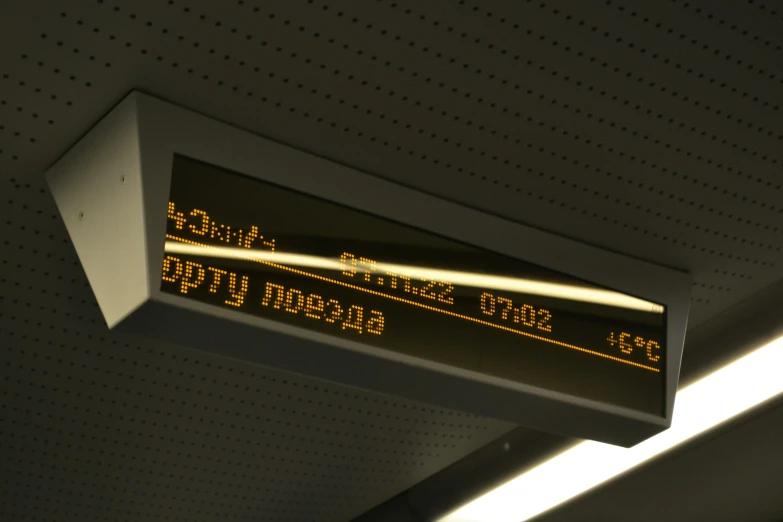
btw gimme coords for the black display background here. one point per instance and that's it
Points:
(303, 224)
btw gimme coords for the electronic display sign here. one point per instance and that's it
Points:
(266, 250)
(204, 235)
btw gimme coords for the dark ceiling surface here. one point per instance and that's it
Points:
(649, 128)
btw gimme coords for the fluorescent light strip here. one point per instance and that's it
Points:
(509, 284)
(711, 401)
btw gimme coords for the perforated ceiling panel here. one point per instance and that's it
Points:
(649, 128)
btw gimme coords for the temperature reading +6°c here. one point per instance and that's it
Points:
(627, 342)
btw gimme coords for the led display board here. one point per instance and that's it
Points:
(265, 250)
(197, 233)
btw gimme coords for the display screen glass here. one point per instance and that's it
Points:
(237, 242)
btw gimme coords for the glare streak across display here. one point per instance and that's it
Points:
(265, 250)
(488, 301)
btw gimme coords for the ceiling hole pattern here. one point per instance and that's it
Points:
(680, 67)
(15, 134)
(706, 286)
(531, 194)
(733, 275)
(512, 55)
(42, 194)
(271, 461)
(130, 505)
(33, 115)
(591, 88)
(22, 501)
(586, 114)
(71, 508)
(25, 249)
(47, 281)
(763, 7)
(9, 156)
(127, 465)
(709, 161)
(481, 127)
(430, 108)
(662, 88)
(56, 71)
(732, 26)
(27, 231)
(37, 90)
(433, 109)
(632, 13)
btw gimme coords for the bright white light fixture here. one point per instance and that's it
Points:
(718, 397)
